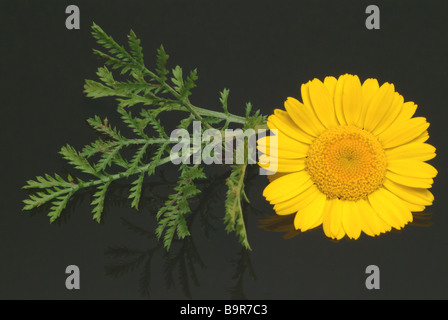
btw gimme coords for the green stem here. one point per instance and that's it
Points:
(120, 175)
(186, 105)
(216, 114)
(184, 101)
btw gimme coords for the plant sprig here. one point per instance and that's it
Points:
(103, 161)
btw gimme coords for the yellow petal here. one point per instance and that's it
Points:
(331, 222)
(311, 216)
(369, 89)
(330, 83)
(399, 207)
(388, 208)
(304, 117)
(414, 207)
(341, 234)
(326, 220)
(391, 114)
(412, 168)
(298, 202)
(283, 145)
(407, 111)
(403, 132)
(352, 100)
(282, 164)
(416, 151)
(421, 138)
(418, 196)
(351, 220)
(379, 106)
(372, 224)
(338, 96)
(283, 122)
(409, 181)
(280, 153)
(367, 226)
(286, 187)
(336, 219)
(322, 103)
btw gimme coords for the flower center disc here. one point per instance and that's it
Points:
(346, 162)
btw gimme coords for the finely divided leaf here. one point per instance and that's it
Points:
(58, 205)
(98, 201)
(136, 190)
(132, 123)
(162, 59)
(118, 57)
(106, 76)
(77, 160)
(94, 89)
(136, 49)
(189, 84)
(103, 127)
(107, 158)
(47, 182)
(234, 218)
(171, 216)
(223, 99)
(177, 79)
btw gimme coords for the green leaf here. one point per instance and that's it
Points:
(132, 89)
(133, 99)
(107, 158)
(58, 205)
(171, 216)
(136, 191)
(138, 156)
(134, 157)
(111, 61)
(136, 49)
(254, 120)
(248, 109)
(156, 158)
(118, 57)
(106, 76)
(186, 122)
(132, 123)
(94, 89)
(189, 84)
(154, 122)
(103, 127)
(234, 218)
(223, 99)
(98, 201)
(98, 146)
(47, 182)
(77, 160)
(162, 59)
(177, 79)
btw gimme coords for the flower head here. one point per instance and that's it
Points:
(350, 157)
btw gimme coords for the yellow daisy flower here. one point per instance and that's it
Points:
(351, 157)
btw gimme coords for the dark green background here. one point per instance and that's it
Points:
(262, 51)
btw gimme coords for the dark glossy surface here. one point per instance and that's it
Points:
(262, 51)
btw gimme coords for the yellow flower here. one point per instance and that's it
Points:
(351, 157)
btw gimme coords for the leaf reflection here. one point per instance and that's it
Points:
(182, 265)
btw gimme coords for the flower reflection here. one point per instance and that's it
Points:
(285, 224)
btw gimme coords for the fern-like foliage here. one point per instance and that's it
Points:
(234, 218)
(171, 216)
(114, 155)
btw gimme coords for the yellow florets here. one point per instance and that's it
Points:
(346, 162)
